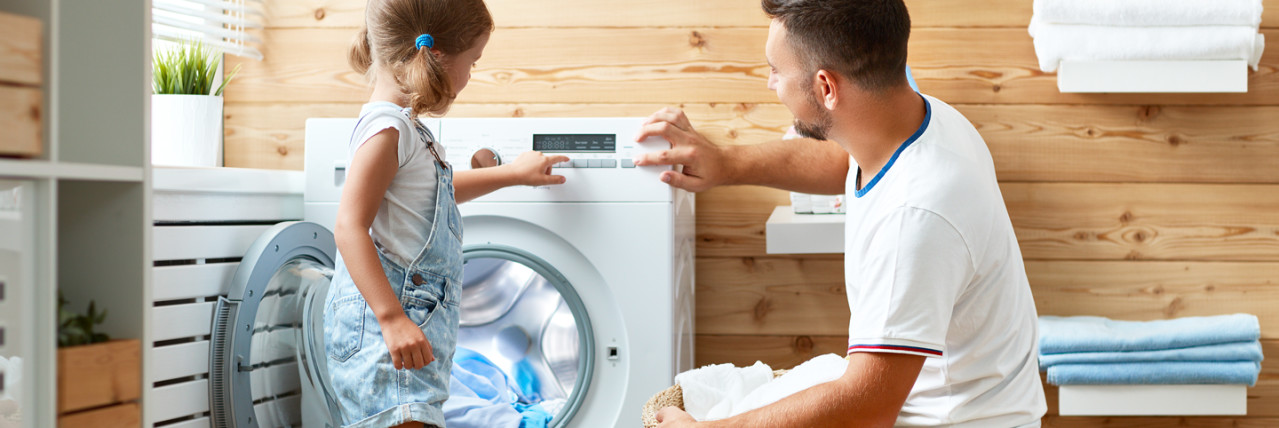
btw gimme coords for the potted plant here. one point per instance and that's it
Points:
(99, 379)
(186, 106)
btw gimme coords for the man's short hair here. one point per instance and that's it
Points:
(863, 40)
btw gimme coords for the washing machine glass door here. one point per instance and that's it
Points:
(267, 360)
(522, 316)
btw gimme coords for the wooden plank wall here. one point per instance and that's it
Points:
(1136, 206)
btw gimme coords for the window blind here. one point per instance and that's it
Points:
(218, 23)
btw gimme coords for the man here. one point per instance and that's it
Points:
(943, 328)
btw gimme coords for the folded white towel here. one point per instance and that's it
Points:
(711, 392)
(1057, 42)
(1159, 13)
(819, 370)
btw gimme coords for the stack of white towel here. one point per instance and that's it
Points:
(1146, 30)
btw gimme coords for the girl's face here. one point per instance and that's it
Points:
(458, 67)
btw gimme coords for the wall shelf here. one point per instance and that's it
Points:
(69, 170)
(1152, 76)
(1152, 400)
(790, 233)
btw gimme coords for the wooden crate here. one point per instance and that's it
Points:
(21, 99)
(97, 375)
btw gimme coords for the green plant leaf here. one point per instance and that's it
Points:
(187, 69)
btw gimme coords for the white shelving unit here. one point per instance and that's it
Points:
(91, 183)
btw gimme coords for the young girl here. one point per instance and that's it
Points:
(391, 316)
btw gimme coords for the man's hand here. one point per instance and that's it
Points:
(673, 417)
(704, 162)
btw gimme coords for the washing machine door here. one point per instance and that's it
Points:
(267, 361)
(524, 317)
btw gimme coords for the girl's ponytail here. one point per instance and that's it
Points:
(427, 84)
(360, 57)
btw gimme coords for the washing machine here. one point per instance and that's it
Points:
(582, 293)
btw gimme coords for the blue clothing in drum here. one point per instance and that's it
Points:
(370, 390)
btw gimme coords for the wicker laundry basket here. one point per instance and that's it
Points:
(673, 396)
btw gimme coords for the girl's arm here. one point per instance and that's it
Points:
(531, 169)
(372, 168)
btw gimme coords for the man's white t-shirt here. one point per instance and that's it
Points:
(404, 217)
(933, 268)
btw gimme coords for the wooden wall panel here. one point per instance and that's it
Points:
(681, 65)
(271, 135)
(1065, 221)
(793, 295)
(1135, 206)
(700, 13)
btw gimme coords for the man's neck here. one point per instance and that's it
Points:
(872, 131)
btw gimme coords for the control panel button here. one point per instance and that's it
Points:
(595, 163)
(565, 164)
(608, 163)
(581, 163)
(627, 163)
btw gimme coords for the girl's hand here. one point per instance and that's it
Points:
(409, 347)
(534, 169)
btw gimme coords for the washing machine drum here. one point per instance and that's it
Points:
(520, 315)
(267, 361)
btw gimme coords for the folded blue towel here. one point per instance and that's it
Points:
(1095, 334)
(1236, 351)
(1157, 373)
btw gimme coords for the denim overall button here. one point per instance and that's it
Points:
(417, 279)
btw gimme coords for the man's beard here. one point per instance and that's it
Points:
(818, 129)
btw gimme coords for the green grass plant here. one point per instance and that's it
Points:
(188, 69)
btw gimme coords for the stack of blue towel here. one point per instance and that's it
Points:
(1194, 350)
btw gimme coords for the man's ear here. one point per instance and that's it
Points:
(826, 84)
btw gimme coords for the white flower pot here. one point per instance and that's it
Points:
(186, 130)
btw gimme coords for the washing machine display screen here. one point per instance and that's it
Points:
(575, 143)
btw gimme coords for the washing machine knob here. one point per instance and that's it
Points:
(484, 158)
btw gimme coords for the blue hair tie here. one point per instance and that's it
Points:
(425, 40)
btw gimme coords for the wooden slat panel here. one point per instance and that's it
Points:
(572, 65)
(671, 65)
(999, 66)
(1157, 290)
(272, 135)
(20, 50)
(788, 351)
(175, 401)
(670, 13)
(181, 360)
(730, 220)
(771, 295)
(1086, 143)
(191, 281)
(1145, 221)
(1091, 221)
(805, 295)
(779, 352)
(179, 321)
(201, 242)
(1095, 143)
(20, 113)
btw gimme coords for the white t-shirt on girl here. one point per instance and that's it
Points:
(404, 217)
(933, 268)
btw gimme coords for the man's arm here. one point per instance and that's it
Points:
(800, 165)
(870, 394)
